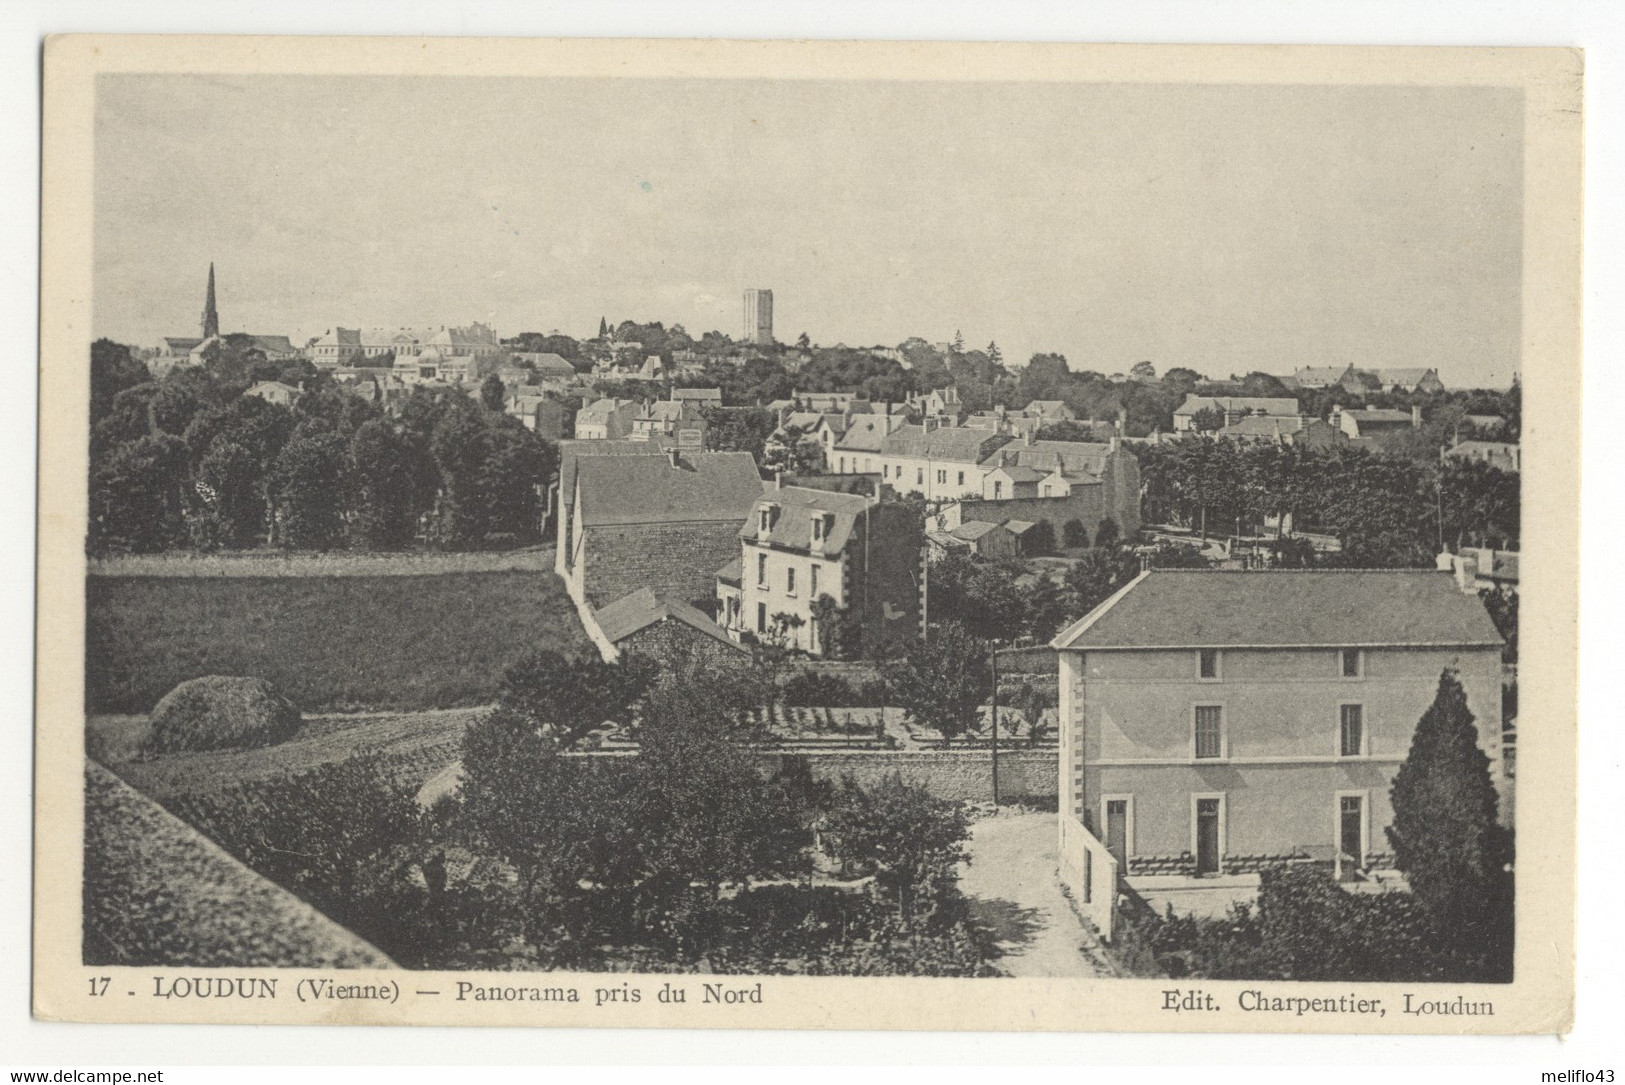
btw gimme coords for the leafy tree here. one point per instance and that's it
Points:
(128, 418)
(1263, 385)
(568, 697)
(1143, 371)
(135, 502)
(1444, 834)
(709, 816)
(944, 682)
(492, 393)
(381, 467)
(517, 467)
(802, 342)
(307, 484)
(230, 488)
(1107, 535)
(1181, 378)
(113, 368)
(912, 840)
(1208, 420)
(977, 594)
(739, 429)
(1074, 535)
(1098, 573)
(1041, 539)
(792, 450)
(1043, 377)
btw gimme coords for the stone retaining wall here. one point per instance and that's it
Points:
(961, 775)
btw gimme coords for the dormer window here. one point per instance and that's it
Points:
(766, 522)
(818, 529)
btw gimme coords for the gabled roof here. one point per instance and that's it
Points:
(274, 344)
(953, 444)
(1316, 608)
(733, 572)
(792, 522)
(643, 608)
(701, 395)
(600, 410)
(1320, 374)
(663, 411)
(548, 364)
(866, 433)
(1382, 417)
(1020, 473)
(702, 487)
(1257, 404)
(1074, 459)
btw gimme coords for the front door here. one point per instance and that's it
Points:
(1207, 836)
(1117, 831)
(1351, 828)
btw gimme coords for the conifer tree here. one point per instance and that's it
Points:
(1444, 834)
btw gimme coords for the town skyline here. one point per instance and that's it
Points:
(1225, 229)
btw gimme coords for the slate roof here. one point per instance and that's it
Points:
(1320, 608)
(698, 395)
(599, 411)
(792, 525)
(643, 608)
(703, 487)
(547, 364)
(1380, 418)
(1074, 459)
(867, 433)
(1256, 425)
(1320, 374)
(1405, 378)
(1275, 405)
(1020, 473)
(954, 444)
(971, 530)
(733, 572)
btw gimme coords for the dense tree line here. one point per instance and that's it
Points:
(1386, 510)
(190, 461)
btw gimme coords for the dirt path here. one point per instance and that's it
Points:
(1013, 888)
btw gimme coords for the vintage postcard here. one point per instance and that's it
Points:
(808, 535)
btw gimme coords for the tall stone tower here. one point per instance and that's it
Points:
(211, 318)
(759, 317)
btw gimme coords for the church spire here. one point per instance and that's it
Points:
(211, 319)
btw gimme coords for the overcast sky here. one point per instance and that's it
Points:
(1222, 228)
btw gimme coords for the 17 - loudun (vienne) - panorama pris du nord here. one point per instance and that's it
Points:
(599, 528)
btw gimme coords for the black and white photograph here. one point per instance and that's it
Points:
(552, 543)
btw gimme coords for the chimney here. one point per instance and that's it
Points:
(1115, 443)
(1467, 571)
(778, 479)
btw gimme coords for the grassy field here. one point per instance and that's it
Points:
(415, 747)
(340, 643)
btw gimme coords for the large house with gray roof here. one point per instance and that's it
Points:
(1217, 722)
(801, 545)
